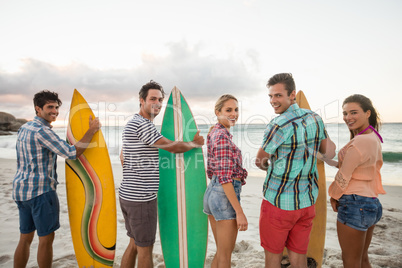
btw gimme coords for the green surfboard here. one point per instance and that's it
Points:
(183, 227)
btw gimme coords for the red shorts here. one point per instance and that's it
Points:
(285, 228)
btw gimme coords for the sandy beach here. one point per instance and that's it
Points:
(385, 250)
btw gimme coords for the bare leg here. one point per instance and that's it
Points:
(352, 244)
(212, 221)
(297, 260)
(226, 234)
(45, 251)
(365, 257)
(145, 257)
(272, 260)
(21, 254)
(129, 256)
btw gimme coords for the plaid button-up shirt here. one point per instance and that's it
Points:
(293, 140)
(224, 157)
(37, 150)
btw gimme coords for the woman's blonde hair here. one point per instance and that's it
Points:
(222, 99)
(220, 102)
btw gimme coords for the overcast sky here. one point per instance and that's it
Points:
(109, 49)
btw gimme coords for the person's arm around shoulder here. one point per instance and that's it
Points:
(261, 160)
(179, 146)
(82, 145)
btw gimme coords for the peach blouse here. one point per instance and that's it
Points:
(360, 162)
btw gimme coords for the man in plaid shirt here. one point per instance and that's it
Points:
(289, 155)
(35, 182)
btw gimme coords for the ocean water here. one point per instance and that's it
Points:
(249, 139)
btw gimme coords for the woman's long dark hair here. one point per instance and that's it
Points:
(366, 104)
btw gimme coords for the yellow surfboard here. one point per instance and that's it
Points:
(317, 237)
(91, 196)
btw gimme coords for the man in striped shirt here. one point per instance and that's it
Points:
(289, 155)
(35, 182)
(140, 160)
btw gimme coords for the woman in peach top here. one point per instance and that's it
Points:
(358, 182)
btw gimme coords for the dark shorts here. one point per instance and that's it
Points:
(359, 212)
(140, 219)
(285, 228)
(40, 213)
(216, 203)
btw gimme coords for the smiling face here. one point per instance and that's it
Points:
(279, 98)
(49, 112)
(229, 114)
(151, 106)
(355, 118)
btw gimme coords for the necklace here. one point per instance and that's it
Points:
(375, 131)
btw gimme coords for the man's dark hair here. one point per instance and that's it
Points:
(283, 78)
(45, 96)
(150, 85)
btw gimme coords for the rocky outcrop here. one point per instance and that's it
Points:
(8, 123)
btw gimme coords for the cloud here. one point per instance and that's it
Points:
(199, 77)
(36, 75)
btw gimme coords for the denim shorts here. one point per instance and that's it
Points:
(216, 203)
(359, 212)
(40, 213)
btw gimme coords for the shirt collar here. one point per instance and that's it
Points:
(220, 126)
(292, 108)
(42, 121)
(143, 117)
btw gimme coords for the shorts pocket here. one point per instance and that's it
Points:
(222, 203)
(138, 214)
(48, 204)
(379, 213)
(205, 200)
(342, 211)
(369, 214)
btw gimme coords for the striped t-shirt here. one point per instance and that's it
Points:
(293, 140)
(37, 149)
(141, 161)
